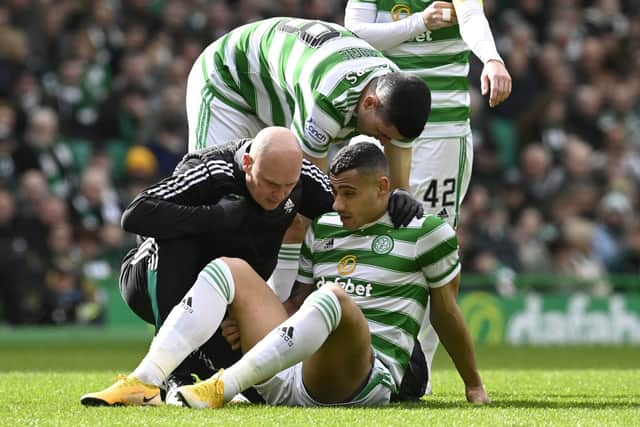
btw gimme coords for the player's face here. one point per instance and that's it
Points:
(370, 123)
(270, 183)
(359, 199)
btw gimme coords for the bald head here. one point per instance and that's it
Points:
(276, 143)
(272, 166)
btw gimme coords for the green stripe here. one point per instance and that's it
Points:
(152, 285)
(437, 253)
(398, 354)
(414, 62)
(367, 257)
(199, 124)
(219, 280)
(326, 309)
(395, 319)
(277, 113)
(410, 235)
(304, 273)
(377, 379)
(247, 89)
(305, 251)
(222, 97)
(219, 61)
(223, 278)
(447, 83)
(462, 161)
(452, 114)
(443, 275)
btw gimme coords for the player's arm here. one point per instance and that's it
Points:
(475, 31)
(399, 158)
(448, 322)
(360, 18)
(184, 205)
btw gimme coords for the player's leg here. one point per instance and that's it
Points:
(440, 175)
(190, 324)
(341, 367)
(337, 366)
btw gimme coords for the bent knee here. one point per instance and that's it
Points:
(345, 300)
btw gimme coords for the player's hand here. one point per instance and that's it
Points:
(403, 207)
(439, 14)
(495, 78)
(231, 332)
(477, 395)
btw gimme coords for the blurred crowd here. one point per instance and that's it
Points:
(92, 111)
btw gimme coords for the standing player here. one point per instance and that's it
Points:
(314, 77)
(350, 341)
(432, 39)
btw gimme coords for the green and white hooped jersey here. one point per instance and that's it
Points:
(303, 74)
(441, 58)
(387, 271)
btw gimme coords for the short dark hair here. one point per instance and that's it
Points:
(405, 102)
(366, 157)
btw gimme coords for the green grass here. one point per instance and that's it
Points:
(43, 374)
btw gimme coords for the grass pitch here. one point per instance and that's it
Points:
(44, 373)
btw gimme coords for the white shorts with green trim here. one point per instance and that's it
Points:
(287, 389)
(440, 174)
(212, 121)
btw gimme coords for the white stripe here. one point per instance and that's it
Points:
(327, 49)
(435, 237)
(230, 52)
(446, 129)
(453, 98)
(456, 70)
(263, 104)
(273, 58)
(427, 48)
(214, 77)
(182, 182)
(407, 306)
(315, 174)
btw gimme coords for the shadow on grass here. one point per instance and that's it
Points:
(520, 403)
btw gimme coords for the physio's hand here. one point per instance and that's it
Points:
(231, 332)
(477, 395)
(403, 207)
(435, 16)
(496, 79)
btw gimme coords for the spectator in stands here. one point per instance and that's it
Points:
(44, 151)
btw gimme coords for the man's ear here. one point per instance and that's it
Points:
(247, 161)
(370, 101)
(384, 185)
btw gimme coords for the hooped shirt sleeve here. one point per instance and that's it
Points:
(183, 204)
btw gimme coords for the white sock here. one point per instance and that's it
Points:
(292, 341)
(190, 323)
(282, 278)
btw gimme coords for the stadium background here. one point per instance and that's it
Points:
(92, 111)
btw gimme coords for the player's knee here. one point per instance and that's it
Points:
(346, 302)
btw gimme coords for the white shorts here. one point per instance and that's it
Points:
(440, 174)
(287, 389)
(212, 121)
